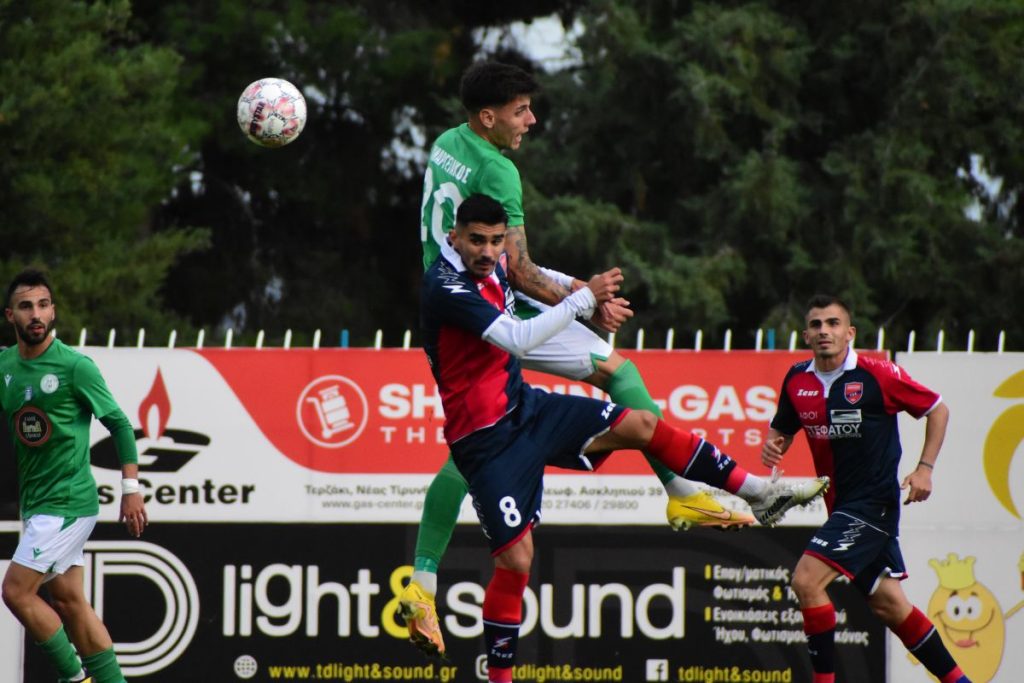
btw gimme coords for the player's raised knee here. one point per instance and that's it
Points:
(637, 427)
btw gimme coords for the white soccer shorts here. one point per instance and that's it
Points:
(49, 547)
(569, 353)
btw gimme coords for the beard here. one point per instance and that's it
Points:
(35, 338)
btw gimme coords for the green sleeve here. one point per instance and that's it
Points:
(124, 437)
(91, 389)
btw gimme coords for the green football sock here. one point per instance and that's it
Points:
(440, 514)
(103, 667)
(626, 387)
(61, 653)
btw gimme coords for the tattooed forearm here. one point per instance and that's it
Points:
(523, 272)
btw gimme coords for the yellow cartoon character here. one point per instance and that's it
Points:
(968, 617)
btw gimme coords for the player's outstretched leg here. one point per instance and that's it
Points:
(692, 457)
(688, 504)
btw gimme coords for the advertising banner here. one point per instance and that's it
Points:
(354, 435)
(215, 603)
(964, 546)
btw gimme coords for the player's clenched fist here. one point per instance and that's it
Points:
(604, 285)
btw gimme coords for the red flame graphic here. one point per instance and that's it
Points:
(158, 400)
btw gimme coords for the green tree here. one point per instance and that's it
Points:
(733, 156)
(785, 148)
(93, 144)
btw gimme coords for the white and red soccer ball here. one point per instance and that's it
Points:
(271, 112)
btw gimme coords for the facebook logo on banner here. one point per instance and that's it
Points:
(657, 670)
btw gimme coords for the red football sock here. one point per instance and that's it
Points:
(503, 613)
(692, 457)
(820, 629)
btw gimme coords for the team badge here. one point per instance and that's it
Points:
(49, 383)
(853, 391)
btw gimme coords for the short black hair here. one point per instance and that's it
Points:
(493, 84)
(30, 277)
(825, 300)
(480, 208)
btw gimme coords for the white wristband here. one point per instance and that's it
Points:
(129, 486)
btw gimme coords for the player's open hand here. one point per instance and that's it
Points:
(610, 315)
(604, 285)
(919, 483)
(133, 513)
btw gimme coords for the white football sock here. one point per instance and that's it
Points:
(426, 579)
(681, 488)
(753, 488)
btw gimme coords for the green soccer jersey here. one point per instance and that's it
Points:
(463, 163)
(49, 402)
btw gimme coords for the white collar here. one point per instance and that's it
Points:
(849, 364)
(452, 256)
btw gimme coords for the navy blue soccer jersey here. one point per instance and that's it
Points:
(479, 382)
(851, 425)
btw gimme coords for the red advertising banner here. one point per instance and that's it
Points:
(378, 411)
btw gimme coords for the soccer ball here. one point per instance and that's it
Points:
(271, 112)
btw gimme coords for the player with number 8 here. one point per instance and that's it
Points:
(503, 433)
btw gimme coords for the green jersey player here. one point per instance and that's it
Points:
(469, 160)
(50, 395)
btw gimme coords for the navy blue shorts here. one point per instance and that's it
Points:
(861, 546)
(504, 464)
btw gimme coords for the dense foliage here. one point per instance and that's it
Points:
(734, 157)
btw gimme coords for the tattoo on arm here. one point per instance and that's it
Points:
(524, 274)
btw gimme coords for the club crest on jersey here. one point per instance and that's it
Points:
(49, 383)
(853, 391)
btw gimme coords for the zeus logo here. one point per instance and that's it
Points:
(156, 651)
(850, 537)
(502, 643)
(456, 288)
(451, 280)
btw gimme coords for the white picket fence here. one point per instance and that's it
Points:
(764, 340)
